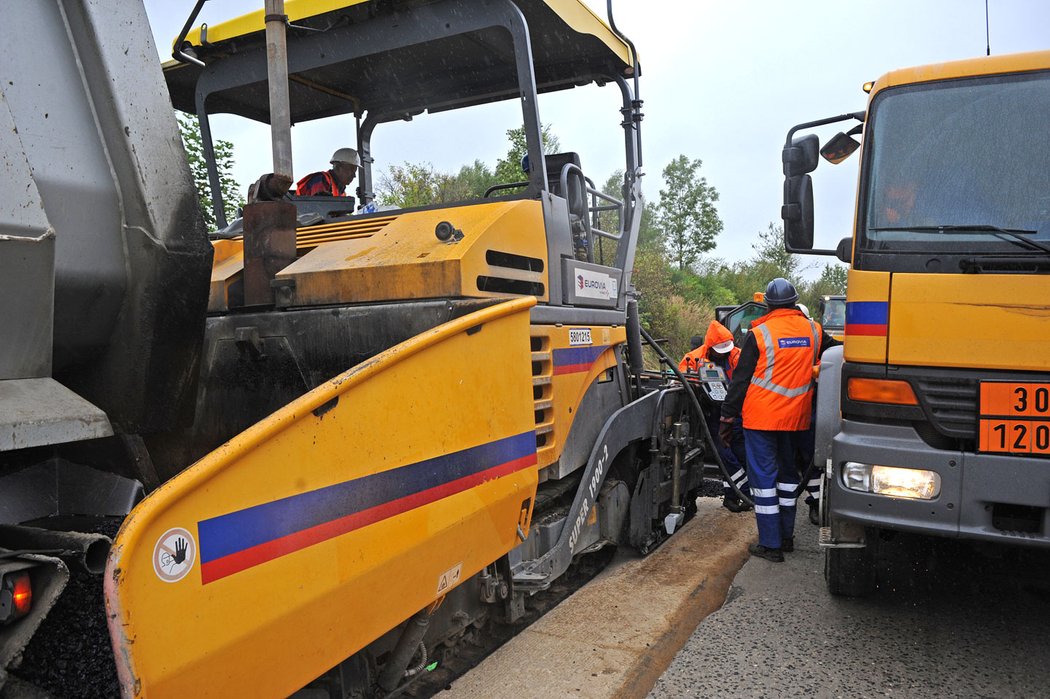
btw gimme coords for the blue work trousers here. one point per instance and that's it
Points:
(774, 478)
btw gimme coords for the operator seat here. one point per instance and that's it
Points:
(575, 196)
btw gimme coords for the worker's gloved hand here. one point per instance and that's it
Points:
(725, 431)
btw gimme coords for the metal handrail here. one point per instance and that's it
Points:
(589, 189)
(505, 185)
(616, 205)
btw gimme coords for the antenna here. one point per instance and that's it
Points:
(987, 40)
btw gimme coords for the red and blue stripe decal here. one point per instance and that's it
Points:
(246, 538)
(869, 318)
(571, 360)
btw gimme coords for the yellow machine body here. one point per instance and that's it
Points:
(477, 353)
(398, 257)
(406, 260)
(567, 369)
(410, 468)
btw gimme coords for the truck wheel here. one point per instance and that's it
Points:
(850, 572)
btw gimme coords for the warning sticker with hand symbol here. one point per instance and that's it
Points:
(173, 555)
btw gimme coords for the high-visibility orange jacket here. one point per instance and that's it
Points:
(716, 335)
(319, 184)
(778, 397)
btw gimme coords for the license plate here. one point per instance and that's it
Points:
(1014, 417)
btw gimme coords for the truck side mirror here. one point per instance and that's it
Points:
(844, 250)
(801, 156)
(797, 212)
(840, 147)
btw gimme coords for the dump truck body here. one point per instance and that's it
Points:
(104, 264)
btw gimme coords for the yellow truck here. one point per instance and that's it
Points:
(935, 418)
(336, 444)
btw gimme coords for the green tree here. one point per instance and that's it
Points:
(833, 279)
(664, 306)
(686, 215)
(191, 141)
(472, 181)
(419, 184)
(508, 168)
(832, 282)
(772, 256)
(649, 233)
(410, 185)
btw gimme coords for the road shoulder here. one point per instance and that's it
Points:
(620, 632)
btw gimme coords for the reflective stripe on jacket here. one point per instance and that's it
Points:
(779, 395)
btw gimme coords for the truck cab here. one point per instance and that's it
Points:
(938, 425)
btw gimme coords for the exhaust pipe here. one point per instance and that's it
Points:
(88, 551)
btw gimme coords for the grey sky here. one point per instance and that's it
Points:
(722, 81)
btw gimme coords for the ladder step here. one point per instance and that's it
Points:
(824, 540)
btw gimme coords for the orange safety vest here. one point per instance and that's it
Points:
(333, 186)
(779, 396)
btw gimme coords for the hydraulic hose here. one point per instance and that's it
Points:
(700, 415)
(805, 479)
(394, 670)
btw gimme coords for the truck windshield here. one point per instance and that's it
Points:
(959, 166)
(834, 318)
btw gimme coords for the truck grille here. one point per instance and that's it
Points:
(950, 403)
(949, 397)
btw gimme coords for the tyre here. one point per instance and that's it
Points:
(850, 572)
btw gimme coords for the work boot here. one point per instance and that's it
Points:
(814, 513)
(773, 555)
(735, 505)
(787, 545)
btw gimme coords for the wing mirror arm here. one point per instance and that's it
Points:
(800, 156)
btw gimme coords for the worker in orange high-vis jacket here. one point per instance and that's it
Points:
(333, 182)
(771, 391)
(719, 349)
(717, 339)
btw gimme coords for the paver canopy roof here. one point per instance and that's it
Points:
(397, 57)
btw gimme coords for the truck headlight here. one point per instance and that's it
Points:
(914, 483)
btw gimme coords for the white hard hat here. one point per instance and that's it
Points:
(723, 347)
(804, 308)
(346, 155)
